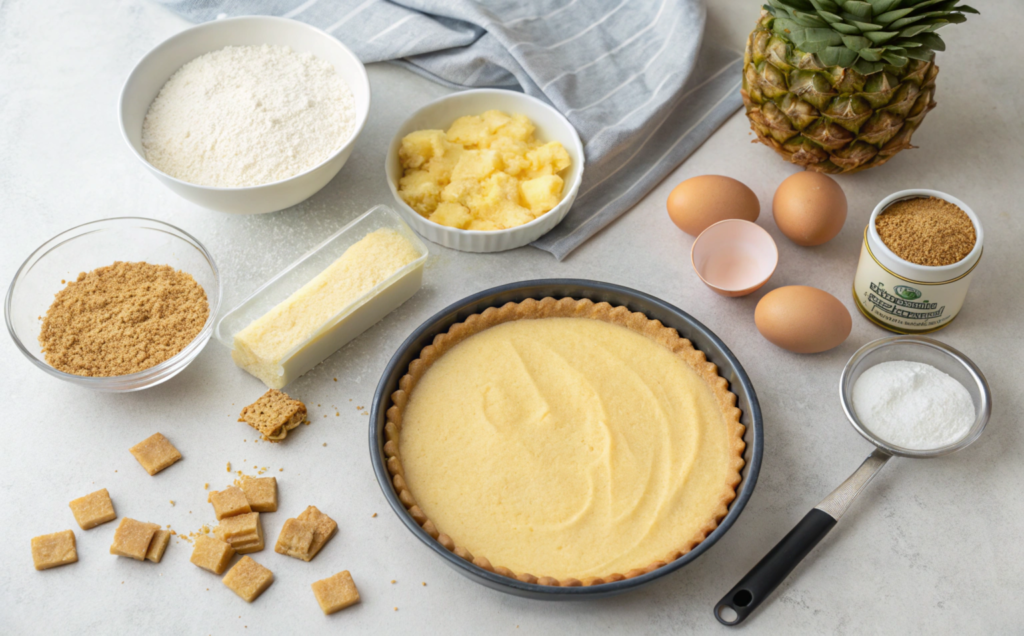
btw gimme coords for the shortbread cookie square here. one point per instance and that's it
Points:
(53, 550)
(295, 538)
(261, 492)
(243, 532)
(132, 538)
(93, 509)
(274, 414)
(335, 593)
(212, 554)
(323, 529)
(248, 579)
(155, 453)
(229, 502)
(241, 527)
(253, 545)
(157, 547)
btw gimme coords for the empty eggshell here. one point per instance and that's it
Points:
(809, 208)
(802, 319)
(698, 203)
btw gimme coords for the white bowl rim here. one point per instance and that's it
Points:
(573, 187)
(200, 340)
(360, 122)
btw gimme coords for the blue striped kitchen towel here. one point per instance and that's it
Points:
(633, 76)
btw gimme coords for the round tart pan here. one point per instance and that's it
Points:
(703, 339)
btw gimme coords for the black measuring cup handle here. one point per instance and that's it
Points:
(777, 564)
(762, 580)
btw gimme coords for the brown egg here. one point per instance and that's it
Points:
(802, 319)
(809, 208)
(700, 202)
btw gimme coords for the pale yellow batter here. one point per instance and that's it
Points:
(568, 447)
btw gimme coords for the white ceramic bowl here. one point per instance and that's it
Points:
(153, 71)
(439, 114)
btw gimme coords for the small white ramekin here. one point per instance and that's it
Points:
(153, 71)
(439, 114)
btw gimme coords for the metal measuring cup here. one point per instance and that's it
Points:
(759, 583)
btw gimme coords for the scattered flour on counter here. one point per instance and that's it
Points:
(248, 115)
(913, 405)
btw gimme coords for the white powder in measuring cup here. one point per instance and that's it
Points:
(248, 115)
(913, 405)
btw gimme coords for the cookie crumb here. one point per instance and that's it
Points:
(374, 514)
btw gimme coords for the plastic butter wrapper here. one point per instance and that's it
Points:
(335, 292)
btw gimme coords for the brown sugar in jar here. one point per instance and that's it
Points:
(920, 250)
(927, 231)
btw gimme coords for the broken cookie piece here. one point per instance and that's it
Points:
(132, 538)
(211, 554)
(53, 550)
(295, 539)
(93, 509)
(335, 593)
(323, 529)
(248, 579)
(155, 453)
(273, 415)
(157, 547)
(229, 502)
(261, 492)
(243, 532)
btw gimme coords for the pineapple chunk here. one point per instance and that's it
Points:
(484, 225)
(520, 128)
(420, 147)
(476, 164)
(542, 194)
(551, 158)
(469, 131)
(420, 191)
(452, 215)
(513, 154)
(508, 214)
(495, 119)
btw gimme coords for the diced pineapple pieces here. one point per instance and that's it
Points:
(485, 172)
(420, 147)
(421, 191)
(452, 215)
(542, 194)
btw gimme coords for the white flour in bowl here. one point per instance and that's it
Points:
(913, 405)
(248, 115)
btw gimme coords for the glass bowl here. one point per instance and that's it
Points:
(96, 244)
(928, 351)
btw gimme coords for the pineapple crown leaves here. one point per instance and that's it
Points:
(866, 35)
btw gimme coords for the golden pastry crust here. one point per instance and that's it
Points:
(531, 309)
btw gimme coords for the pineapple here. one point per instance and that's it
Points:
(841, 85)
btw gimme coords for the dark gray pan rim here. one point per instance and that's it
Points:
(703, 339)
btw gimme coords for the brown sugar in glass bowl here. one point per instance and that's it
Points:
(122, 319)
(927, 231)
(97, 244)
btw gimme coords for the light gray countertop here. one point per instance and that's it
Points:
(933, 546)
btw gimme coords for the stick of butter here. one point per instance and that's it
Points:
(330, 310)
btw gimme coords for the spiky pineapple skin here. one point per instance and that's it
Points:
(830, 119)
